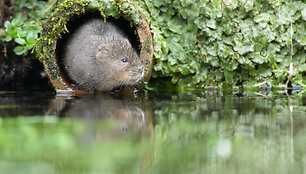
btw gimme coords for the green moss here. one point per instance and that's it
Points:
(53, 28)
(55, 25)
(206, 44)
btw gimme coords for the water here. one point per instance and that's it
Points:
(153, 132)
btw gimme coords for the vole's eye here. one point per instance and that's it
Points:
(124, 60)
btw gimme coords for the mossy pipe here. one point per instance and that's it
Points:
(55, 27)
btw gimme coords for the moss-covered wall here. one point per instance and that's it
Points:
(211, 43)
(215, 43)
(55, 26)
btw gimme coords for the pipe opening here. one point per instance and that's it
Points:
(124, 25)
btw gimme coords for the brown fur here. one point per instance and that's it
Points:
(94, 54)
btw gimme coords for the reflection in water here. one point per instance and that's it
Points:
(193, 133)
(126, 114)
(28, 103)
(230, 134)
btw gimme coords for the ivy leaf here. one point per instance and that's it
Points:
(264, 71)
(195, 67)
(176, 48)
(185, 3)
(302, 67)
(229, 76)
(273, 48)
(242, 50)
(211, 24)
(172, 60)
(157, 3)
(190, 12)
(184, 69)
(303, 12)
(262, 17)
(257, 58)
(231, 3)
(300, 35)
(112, 10)
(232, 65)
(217, 4)
(249, 5)
(177, 25)
(202, 76)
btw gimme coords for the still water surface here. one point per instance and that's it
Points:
(153, 132)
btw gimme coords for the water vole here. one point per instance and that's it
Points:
(99, 57)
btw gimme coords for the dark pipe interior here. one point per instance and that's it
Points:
(121, 22)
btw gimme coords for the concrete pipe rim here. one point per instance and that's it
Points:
(62, 85)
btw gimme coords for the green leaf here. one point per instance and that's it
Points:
(273, 48)
(158, 3)
(7, 24)
(211, 24)
(229, 76)
(242, 50)
(8, 38)
(16, 22)
(233, 65)
(186, 3)
(202, 76)
(302, 67)
(217, 4)
(257, 58)
(303, 12)
(30, 43)
(111, 11)
(20, 50)
(264, 71)
(231, 3)
(300, 34)
(195, 67)
(262, 17)
(174, 46)
(190, 12)
(21, 3)
(248, 5)
(184, 69)
(177, 25)
(172, 60)
(20, 41)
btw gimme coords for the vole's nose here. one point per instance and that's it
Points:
(140, 70)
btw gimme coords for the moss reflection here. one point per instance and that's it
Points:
(159, 133)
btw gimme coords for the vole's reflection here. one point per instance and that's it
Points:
(125, 113)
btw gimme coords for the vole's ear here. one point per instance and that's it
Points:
(99, 56)
(107, 47)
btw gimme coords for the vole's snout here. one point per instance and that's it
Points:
(140, 70)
